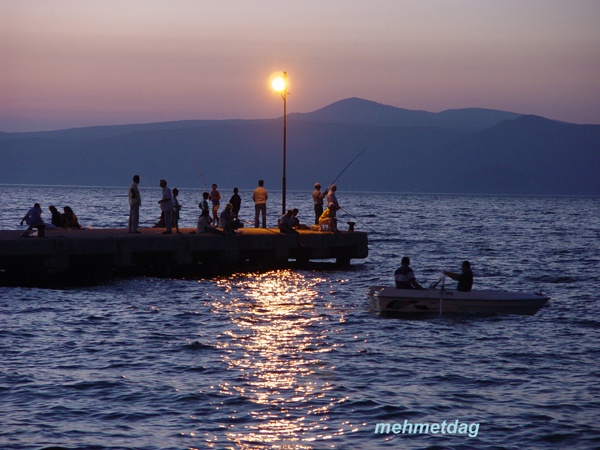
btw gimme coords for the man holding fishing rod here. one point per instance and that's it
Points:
(333, 205)
(332, 202)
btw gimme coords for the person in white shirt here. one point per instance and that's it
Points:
(260, 197)
(166, 205)
(333, 205)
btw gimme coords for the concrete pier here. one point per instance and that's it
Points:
(85, 256)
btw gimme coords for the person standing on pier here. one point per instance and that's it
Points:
(166, 205)
(215, 198)
(260, 197)
(333, 205)
(236, 202)
(318, 201)
(203, 205)
(176, 210)
(135, 201)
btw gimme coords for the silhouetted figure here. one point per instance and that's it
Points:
(204, 225)
(58, 219)
(286, 223)
(318, 197)
(405, 277)
(71, 219)
(260, 196)
(33, 218)
(135, 201)
(236, 202)
(215, 198)
(333, 205)
(166, 205)
(465, 278)
(176, 209)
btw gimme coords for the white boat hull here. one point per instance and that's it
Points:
(391, 301)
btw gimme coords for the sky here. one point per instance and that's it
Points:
(74, 63)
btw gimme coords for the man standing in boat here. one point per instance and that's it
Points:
(405, 277)
(465, 278)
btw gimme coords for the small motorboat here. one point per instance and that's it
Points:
(385, 300)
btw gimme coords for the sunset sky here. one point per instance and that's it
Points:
(77, 63)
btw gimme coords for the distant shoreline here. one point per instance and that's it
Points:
(298, 191)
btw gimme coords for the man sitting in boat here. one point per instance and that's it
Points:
(465, 278)
(405, 277)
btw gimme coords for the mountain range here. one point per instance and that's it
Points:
(474, 151)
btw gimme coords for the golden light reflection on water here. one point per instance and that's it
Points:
(275, 345)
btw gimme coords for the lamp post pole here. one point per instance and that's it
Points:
(283, 180)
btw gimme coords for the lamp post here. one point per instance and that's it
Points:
(280, 86)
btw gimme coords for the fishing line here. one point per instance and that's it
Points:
(359, 221)
(278, 233)
(202, 176)
(348, 165)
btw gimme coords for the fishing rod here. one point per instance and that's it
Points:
(348, 165)
(202, 176)
(278, 233)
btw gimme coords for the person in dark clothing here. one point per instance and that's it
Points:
(286, 223)
(58, 219)
(236, 202)
(70, 218)
(405, 277)
(465, 278)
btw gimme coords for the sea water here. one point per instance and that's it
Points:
(293, 359)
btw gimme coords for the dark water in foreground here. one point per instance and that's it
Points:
(294, 360)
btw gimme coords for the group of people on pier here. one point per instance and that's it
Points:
(210, 221)
(33, 219)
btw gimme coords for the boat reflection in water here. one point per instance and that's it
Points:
(274, 346)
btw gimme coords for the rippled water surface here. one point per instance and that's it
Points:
(294, 359)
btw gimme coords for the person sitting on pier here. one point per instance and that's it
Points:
(71, 219)
(203, 205)
(33, 218)
(204, 225)
(295, 212)
(286, 223)
(58, 219)
(228, 221)
(325, 220)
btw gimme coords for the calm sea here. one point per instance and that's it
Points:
(294, 359)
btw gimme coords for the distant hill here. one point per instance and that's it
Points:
(465, 151)
(364, 112)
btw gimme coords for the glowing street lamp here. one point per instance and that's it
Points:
(280, 86)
